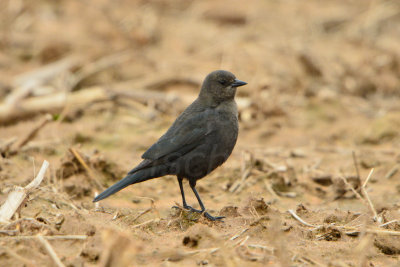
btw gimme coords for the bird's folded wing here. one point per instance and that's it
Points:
(182, 138)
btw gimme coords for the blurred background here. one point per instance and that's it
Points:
(90, 85)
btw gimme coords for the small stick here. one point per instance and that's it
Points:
(47, 72)
(288, 194)
(242, 242)
(56, 102)
(392, 172)
(355, 163)
(144, 223)
(47, 237)
(153, 205)
(240, 183)
(316, 164)
(51, 251)
(30, 135)
(386, 232)
(5, 146)
(392, 221)
(142, 213)
(8, 232)
(36, 182)
(245, 171)
(261, 247)
(16, 197)
(368, 177)
(312, 261)
(293, 213)
(374, 231)
(148, 198)
(351, 188)
(254, 212)
(209, 250)
(237, 235)
(25, 83)
(87, 168)
(31, 221)
(116, 215)
(19, 257)
(101, 64)
(271, 190)
(245, 175)
(364, 191)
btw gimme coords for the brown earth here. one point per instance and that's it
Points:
(324, 83)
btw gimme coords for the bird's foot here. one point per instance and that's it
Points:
(206, 214)
(212, 218)
(189, 208)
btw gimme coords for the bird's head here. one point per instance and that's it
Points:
(219, 86)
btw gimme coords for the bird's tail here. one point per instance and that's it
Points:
(133, 178)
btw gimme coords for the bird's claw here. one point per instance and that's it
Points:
(206, 214)
(212, 218)
(189, 208)
(192, 209)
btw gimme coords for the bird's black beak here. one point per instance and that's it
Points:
(238, 83)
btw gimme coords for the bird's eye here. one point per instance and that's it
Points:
(222, 82)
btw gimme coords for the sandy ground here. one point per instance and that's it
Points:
(321, 110)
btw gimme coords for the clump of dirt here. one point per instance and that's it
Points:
(200, 236)
(339, 217)
(70, 165)
(78, 186)
(388, 245)
(191, 242)
(229, 211)
(255, 206)
(183, 219)
(329, 233)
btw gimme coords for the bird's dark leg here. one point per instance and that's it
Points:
(182, 192)
(185, 205)
(203, 209)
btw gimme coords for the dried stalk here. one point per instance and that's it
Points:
(89, 170)
(293, 213)
(16, 197)
(51, 251)
(48, 237)
(364, 192)
(18, 257)
(144, 223)
(30, 135)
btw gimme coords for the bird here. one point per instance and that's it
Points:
(201, 139)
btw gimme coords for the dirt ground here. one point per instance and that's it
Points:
(320, 111)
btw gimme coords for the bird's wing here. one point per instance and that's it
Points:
(182, 137)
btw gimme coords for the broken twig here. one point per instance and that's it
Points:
(48, 237)
(16, 197)
(89, 170)
(293, 213)
(30, 135)
(51, 251)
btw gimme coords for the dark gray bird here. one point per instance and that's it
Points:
(200, 140)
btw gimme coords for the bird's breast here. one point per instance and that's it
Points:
(227, 128)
